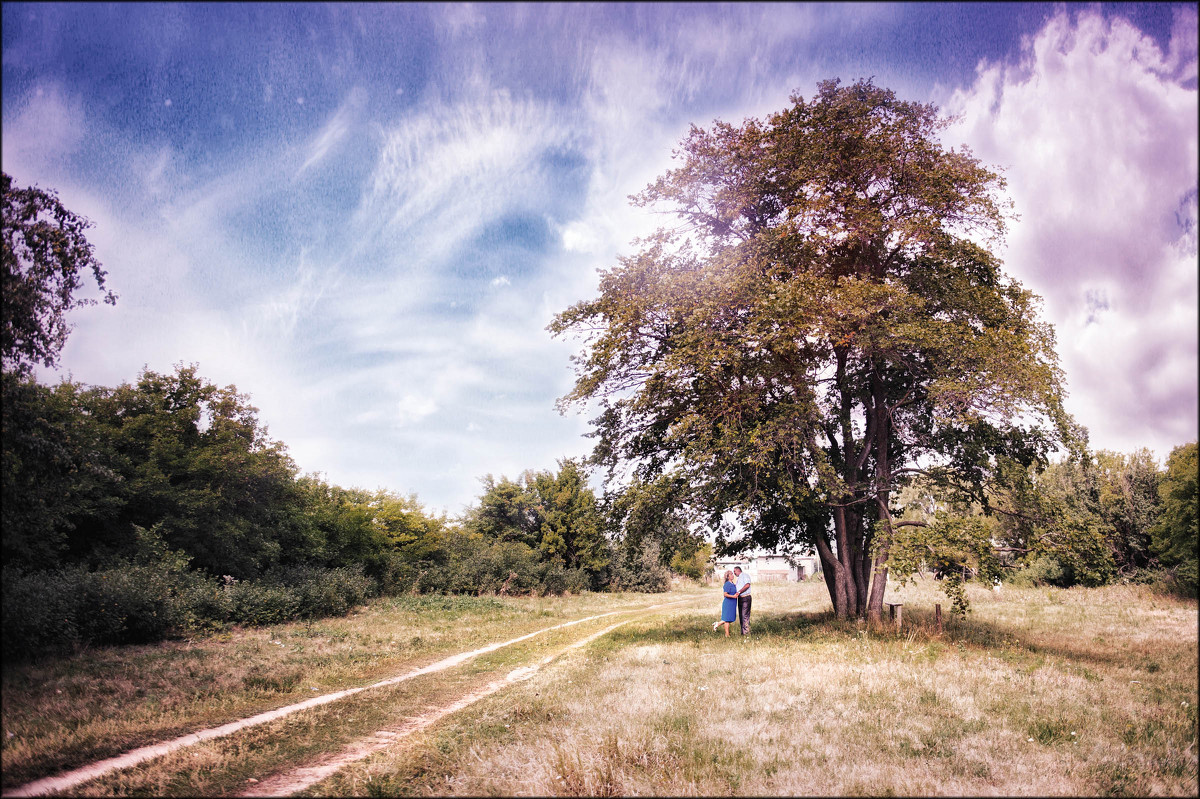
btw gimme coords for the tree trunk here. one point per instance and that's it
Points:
(883, 478)
(835, 579)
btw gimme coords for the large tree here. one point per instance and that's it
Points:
(46, 255)
(822, 319)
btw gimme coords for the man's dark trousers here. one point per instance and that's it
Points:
(744, 612)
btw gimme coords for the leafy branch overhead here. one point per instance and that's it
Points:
(46, 258)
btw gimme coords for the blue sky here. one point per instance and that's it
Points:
(365, 215)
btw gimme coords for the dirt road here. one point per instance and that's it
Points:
(282, 784)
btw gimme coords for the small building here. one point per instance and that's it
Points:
(770, 566)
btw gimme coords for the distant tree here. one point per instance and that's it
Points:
(507, 511)
(645, 514)
(195, 462)
(1174, 536)
(820, 323)
(1127, 499)
(1053, 520)
(46, 256)
(87, 468)
(572, 532)
(694, 563)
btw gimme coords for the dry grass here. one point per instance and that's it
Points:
(64, 713)
(1039, 692)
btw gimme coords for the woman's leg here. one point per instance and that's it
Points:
(726, 629)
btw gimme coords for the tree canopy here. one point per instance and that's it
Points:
(1174, 537)
(823, 320)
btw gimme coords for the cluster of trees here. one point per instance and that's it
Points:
(96, 475)
(175, 473)
(1087, 521)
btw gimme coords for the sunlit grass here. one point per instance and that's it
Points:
(1078, 692)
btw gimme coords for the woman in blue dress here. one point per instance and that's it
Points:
(728, 605)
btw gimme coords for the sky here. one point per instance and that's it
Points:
(364, 216)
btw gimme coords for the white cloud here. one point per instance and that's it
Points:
(1098, 136)
(414, 407)
(446, 170)
(44, 133)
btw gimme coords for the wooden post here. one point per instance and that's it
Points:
(937, 616)
(897, 609)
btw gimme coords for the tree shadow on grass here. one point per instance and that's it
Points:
(918, 625)
(697, 628)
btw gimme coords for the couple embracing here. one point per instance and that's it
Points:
(736, 602)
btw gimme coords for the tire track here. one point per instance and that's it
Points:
(70, 779)
(298, 779)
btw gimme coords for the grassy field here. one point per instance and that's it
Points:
(1038, 692)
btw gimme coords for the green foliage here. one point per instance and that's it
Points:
(644, 573)
(819, 321)
(694, 564)
(45, 255)
(196, 461)
(1127, 501)
(322, 592)
(507, 511)
(554, 515)
(58, 470)
(1042, 570)
(261, 602)
(40, 611)
(1174, 536)
(656, 514)
(1080, 521)
(572, 532)
(956, 548)
(86, 467)
(57, 611)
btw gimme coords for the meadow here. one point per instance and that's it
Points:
(1038, 692)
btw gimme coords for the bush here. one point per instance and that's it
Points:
(201, 605)
(392, 572)
(1043, 570)
(1179, 581)
(129, 604)
(322, 592)
(261, 603)
(554, 579)
(41, 612)
(577, 580)
(55, 612)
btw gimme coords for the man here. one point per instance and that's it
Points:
(742, 581)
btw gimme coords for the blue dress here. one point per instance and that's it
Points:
(729, 606)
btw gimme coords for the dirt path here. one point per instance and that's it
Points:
(298, 779)
(70, 779)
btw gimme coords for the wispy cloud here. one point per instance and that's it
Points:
(335, 129)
